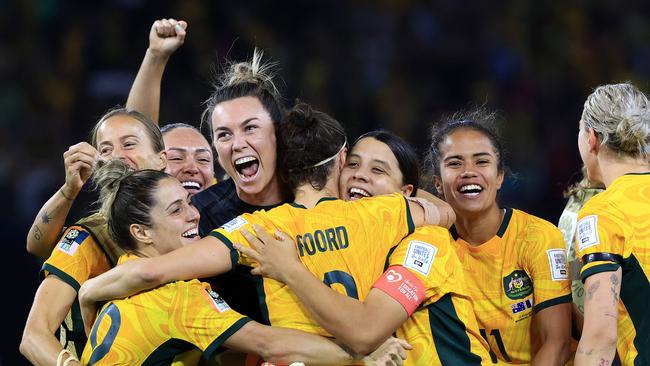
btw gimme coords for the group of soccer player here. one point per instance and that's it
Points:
(346, 249)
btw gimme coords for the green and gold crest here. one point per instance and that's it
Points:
(517, 285)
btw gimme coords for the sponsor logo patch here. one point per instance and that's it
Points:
(234, 224)
(517, 285)
(219, 303)
(420, 256)
(557, 262)
(71, 241)
(587, 232)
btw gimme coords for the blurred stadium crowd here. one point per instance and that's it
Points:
(394, 64)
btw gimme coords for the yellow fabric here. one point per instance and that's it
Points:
(617, 221)
(429, 254)
(343, 241)
(511, 273)
(167, 323)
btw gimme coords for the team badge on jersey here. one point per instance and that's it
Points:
(71, 241)
(234, 224)
(557, 262)
(218, 301)
(517, 285)
(588, 232)
(419, 256)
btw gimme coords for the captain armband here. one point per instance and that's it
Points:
(403, 286)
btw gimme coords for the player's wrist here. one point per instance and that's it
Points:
(69, 192)
(157, 56)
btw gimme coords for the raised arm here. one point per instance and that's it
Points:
(597, 344)
(207, 257)
(52, 302)
(79, 162)
(165, 37)
(362, 326)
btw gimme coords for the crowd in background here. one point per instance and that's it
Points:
(399, 65)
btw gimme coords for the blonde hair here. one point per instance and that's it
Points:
(620, 115)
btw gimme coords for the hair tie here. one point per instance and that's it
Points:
(325, 161)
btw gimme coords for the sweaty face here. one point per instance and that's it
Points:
(125, 138)
(371, 169)
(174, 221)
(244, 138)
(469, 175)
(189, 158)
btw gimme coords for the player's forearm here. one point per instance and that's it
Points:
(344, 317)
(40, 347)
(124, 280)
(144, 95)
(49, 222)
(552, 352)
(288, 345)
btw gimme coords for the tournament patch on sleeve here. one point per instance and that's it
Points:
(71, 241)
(420, 256)
(219, 303)
(587, 232)
(403, 286)
(234, 224)
(557, 261)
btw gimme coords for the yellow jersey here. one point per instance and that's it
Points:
(163, 326)
(613, 232)
(343, 243)
(444, 330)
(76, 258)
(518, 272)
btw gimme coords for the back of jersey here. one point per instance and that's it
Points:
(614, 231)
(345, 244)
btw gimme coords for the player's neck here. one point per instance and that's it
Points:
(478, 229)
(613, 167)
(308, 196)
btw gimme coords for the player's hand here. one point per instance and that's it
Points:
(166, 36)
(391, 353)
(79, 162)
(88, 308)
(276, 256)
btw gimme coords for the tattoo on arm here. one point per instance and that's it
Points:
(614, 280)
(592, 289)
(37, 233)
(603, 362)
(45, 218)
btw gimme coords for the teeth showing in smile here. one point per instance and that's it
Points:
(247, 167)
(190, 184)
(244, 160)
(470, 189)
(190, 233)
(356, 193)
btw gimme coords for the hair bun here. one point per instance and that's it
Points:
(302, 116)
(107, 176)
(253, 72)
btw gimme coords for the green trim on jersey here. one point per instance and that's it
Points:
(62, 275)
(214, 346)
(166, 352)
(635, 290)
(599, 268)
(409, 218)
(551, 302)
(506, 221)
(449, 334)
(234, 254)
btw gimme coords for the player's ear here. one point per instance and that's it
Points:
(140, 233)
(437, 183)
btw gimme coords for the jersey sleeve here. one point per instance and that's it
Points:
(76, 258)
(600, 239)
(390, 216)
(230, 233)
(545, 261)
(203, 318)
(429, 255)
